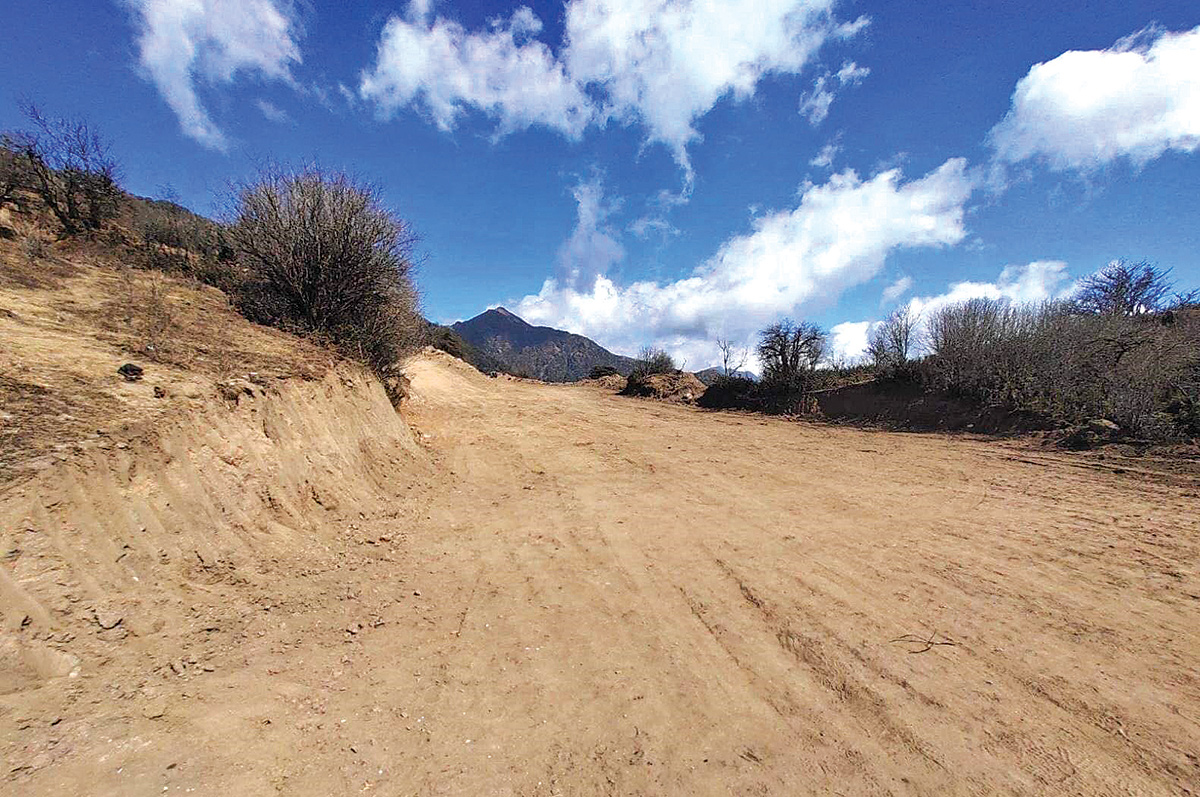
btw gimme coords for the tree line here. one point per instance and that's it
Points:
(1125, 347)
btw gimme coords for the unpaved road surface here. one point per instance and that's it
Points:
(587, 594)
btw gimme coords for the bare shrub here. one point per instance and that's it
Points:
(145, 308)
(892, 343)
(790, 353)
(69, 165)
(323, 255)
(165, 223)
(34, 246)
(1051, 359)
(1124, 288)
(732, 393)
(653, 360)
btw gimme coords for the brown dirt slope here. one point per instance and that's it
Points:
(548, 590)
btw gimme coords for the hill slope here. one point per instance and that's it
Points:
(541, 352)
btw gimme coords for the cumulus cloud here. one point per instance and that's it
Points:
(504, 72)
(1085, 109)
(1033, 282)
(592, 249)
(848, 341)
(665, 63)
(659, 63)
(897, 289)
(1038, 281)
(815, 104)
(824, 159)
(791, 261)
(185, 42)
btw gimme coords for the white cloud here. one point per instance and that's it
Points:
(848, 341)
(1033, 282)
(815, 104)
(273, 112)
(447, 70)
(183, 42)
(593, 247)
(897, 289)
(1085, 109)
(825, 158)
(660, 63)
(666, 63)
(792, 261)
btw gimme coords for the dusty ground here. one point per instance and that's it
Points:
(564, 591)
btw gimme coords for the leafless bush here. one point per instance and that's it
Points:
(1052, 359)
(69, 165)
(790, 353)
(1124, 288)
(650, 360)
(653, 360)
(163, 223)
(323, 255)
(144, 306)
(892, 342)
(34, 246)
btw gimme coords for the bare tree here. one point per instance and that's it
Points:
(324, 255)
(733, 358)
(1125, 288)
(69, 165)
(790, 353)
(891, 343)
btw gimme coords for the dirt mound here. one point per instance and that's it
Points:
(613, 382)
(681, 387)
(902, 405)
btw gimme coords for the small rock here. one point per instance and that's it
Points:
(1103, 427)
(159, 392)
(131, 372)
(107, 619)
(416, 593)
(155, 709)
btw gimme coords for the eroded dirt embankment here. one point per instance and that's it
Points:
(139, 561)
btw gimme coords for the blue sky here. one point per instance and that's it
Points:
(645, 171)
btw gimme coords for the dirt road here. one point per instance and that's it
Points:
(587, 594)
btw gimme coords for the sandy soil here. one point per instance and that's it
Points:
(570, 592)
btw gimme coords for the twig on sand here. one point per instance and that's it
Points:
(927, 644)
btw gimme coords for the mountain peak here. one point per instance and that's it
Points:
(543, 352)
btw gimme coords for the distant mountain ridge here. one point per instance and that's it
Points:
(544, 353)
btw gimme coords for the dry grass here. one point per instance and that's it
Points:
(71, 319)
